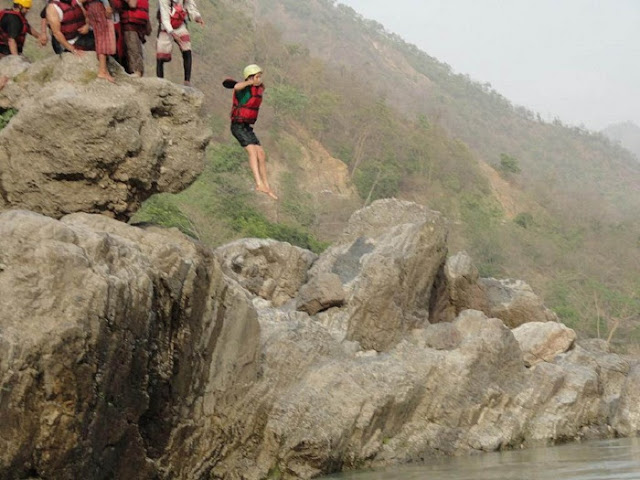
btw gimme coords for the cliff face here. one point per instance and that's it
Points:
(134, 353)
(107, 332)
(130, 352)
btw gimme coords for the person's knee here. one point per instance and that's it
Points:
(251, 151)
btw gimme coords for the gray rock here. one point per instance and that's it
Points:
(109, 337)
(542, 341)
(139, 353)
(78, 144)
(272, 270)
(388, 271)
(514, 302)
(626, 420)
(458, 289)
(321, 293)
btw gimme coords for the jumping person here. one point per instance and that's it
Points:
(247, 98)
(14, 28)
(173, 27)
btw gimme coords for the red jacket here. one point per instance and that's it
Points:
(4, 37)
(138, 15)
(72, 18)
(247, 113)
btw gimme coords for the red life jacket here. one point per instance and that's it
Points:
(138, 15)
(72, 18)
(4, 37)
(247, 113)
(177, 14)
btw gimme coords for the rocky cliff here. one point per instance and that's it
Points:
(130, 352)
(80, 144)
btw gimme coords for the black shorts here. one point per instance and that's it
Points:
(85, 43)
(244, 134)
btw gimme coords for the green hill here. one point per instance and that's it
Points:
(353, 113)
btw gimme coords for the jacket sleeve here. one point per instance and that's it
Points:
(191, 8)
(165, 15)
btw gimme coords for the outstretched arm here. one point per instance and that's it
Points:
(34, 32)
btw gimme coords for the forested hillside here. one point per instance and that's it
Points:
(353, 113)
(568, 198)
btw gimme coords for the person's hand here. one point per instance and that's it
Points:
(175, 36)
(83, 30)
(108, 11)
(257, 79)
(43, 39)
(200, 21)
(77, 52)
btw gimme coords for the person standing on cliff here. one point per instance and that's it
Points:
(134, 19)
(69, 28)
(99, 14)
(14, 28)
(247, 98)
(173, 27)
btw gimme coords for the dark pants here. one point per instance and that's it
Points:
(85, 42)
(244, 134)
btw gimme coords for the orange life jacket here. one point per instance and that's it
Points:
(247, 113)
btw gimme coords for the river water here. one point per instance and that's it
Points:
(594, 460)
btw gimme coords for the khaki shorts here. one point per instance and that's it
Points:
(164, 42)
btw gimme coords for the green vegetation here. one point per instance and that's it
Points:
(6, 116)
(508, 165)
(162, 210)
(223, 206)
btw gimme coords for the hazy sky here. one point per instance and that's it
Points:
(578, 60)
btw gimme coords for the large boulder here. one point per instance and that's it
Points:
(542, 341)
(272, 270)
(514, 302)
(81, 144)
(388, 260)
(626, 420)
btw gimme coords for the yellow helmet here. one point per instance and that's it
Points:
(247, 72)
(23, 3)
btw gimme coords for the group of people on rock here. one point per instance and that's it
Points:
(115, 28)
(119, 28)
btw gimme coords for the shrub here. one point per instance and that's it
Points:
(6, 116)
(162, 210)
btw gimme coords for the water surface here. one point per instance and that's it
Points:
(594, 460)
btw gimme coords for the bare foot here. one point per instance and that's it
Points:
(187, 83)
(107, 77)
(272, 194)
(266, 190)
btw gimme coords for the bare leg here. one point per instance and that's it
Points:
(262, 169)
(103, 71)
(253, 163)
